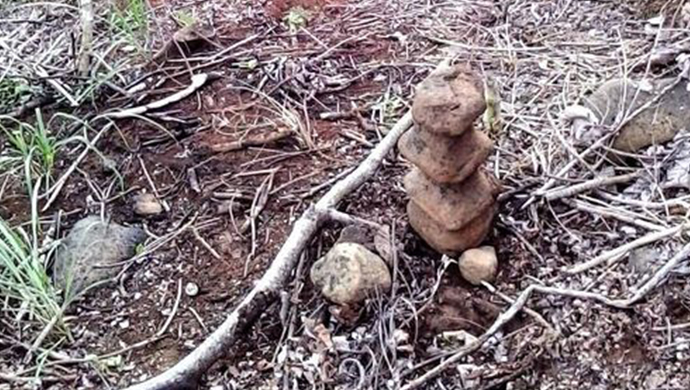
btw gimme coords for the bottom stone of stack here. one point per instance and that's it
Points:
(451, 242)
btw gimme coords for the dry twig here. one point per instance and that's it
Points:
(614, 254)
(198, 81)
(255, 141)
(86, 8)
(589, 185)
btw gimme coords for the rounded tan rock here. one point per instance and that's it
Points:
(445, 159)
(478, 265)
(451, 242)
(449, 101)
(147, 204)
(452, 206)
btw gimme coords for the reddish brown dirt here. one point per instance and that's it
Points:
(222, 111)
(278, 8)
(147, 293)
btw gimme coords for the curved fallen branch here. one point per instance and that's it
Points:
(186, 373)
(519, 304)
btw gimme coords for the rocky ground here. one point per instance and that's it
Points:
(201, 194)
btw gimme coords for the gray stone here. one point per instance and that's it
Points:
(657, 124)
(349, 273)
(90, 246)
(478, 265)
(362, 234)
(358, 234)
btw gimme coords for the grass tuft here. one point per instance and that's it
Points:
(25, 287)
(13, 91)
(130, 20)
(296, 18)
(29, 143)
(185, 18)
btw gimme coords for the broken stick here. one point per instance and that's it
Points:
(247, 142)
(198, 81)
(610, 256)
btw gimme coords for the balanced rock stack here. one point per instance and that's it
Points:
(453, 201)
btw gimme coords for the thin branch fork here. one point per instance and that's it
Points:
(519, 304)
(589, 185)
(612, 255)
(186, 373)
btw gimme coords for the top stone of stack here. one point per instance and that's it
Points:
(449, 101)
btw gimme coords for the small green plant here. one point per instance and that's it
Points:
(296, 18)
(184, 18)
(388, 107)
(130, 20)
(249, 64)
(12, 92)
(32, 143)
(491, 119)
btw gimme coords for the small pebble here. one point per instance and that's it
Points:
(147, 204)
(191, 289)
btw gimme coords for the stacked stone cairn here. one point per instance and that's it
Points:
(453, 201)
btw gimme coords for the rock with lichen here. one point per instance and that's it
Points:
(657, 124)
(91, 251)
(349, 273)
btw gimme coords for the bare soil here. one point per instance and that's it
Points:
(367, 55)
